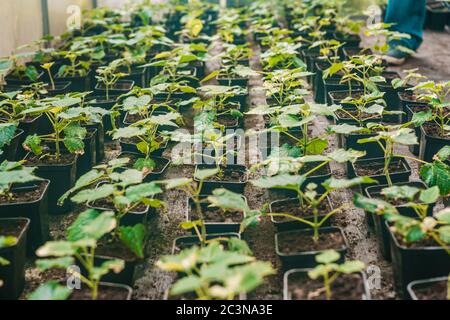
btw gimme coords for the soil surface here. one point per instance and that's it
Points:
(346, 287)
(22, 195)
(431, 291)
(104, 293)
(12, 228)
(296, 242)
(371, 168)
(293, 208)
(64, 159)
(216, 215)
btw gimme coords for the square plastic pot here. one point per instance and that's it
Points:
(13, 274)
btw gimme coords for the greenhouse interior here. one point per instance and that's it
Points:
(265, 150)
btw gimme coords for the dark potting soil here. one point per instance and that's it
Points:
(343, 95)
(217, 215)
(346, 287)
(293, 208)
(297, 242)
(104, 293)
(372, 168)
(115, 249)
(409, 96)
(431, 291)
(28, 195)
(108, 205)
(355, 113)
(434, 131)
(229, 175)
(117, 86)
(395, 202)
(227, 120)
(323, 171)
(12, 228)
(64, 159)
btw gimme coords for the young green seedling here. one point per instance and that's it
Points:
(329, 270)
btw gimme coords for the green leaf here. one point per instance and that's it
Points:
(317, 146)
(430, 196)
(228, 200)
(57, 263)
(83, 182)
(7, 133)
(415, 234)
(144, 190)
(327, 257)
(346, 129)
(283, 181)
(176, 183)
(443, 215)
(128, 132)
(33, 144)
(350, 267)
(421, 117)
(115, 265)
(375, 206)
(134, 238)
(91, 195)
(50, 291)
(343, 156)
(400, 192)
(211, 76)
(56, 249)
(205, 174)
(142, 164)
(444, 154)
(74, 145)
(437, 174)
(334, 184)
(186, 285)
(7, 241)
(444, 234)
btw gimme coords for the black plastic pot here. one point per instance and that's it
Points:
(214, 227)
(78, 83)
(99, 140)
(62, 177)
(189, 241)
(242, 82)
(306, 259)
(10, 80)
(413, 286)
(410, 264)
(138, 76)
(406, 101)
(121, 87)
(60, 89)
(36, 211)
(430, 146)
(102, 102)
(13, 274)
(397, 177)
(437, 17)
(126, 289)
(10, 150)
(235, 186)
(391, 97)
(155, 175)
(289, 225)
(241, 99)
(124, 277)
(131, 218)
(86, 161)
(379, 222)
(304, 272)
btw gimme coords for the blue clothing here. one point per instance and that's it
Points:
(408, 16)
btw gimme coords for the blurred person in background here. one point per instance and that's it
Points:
(407, 16)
